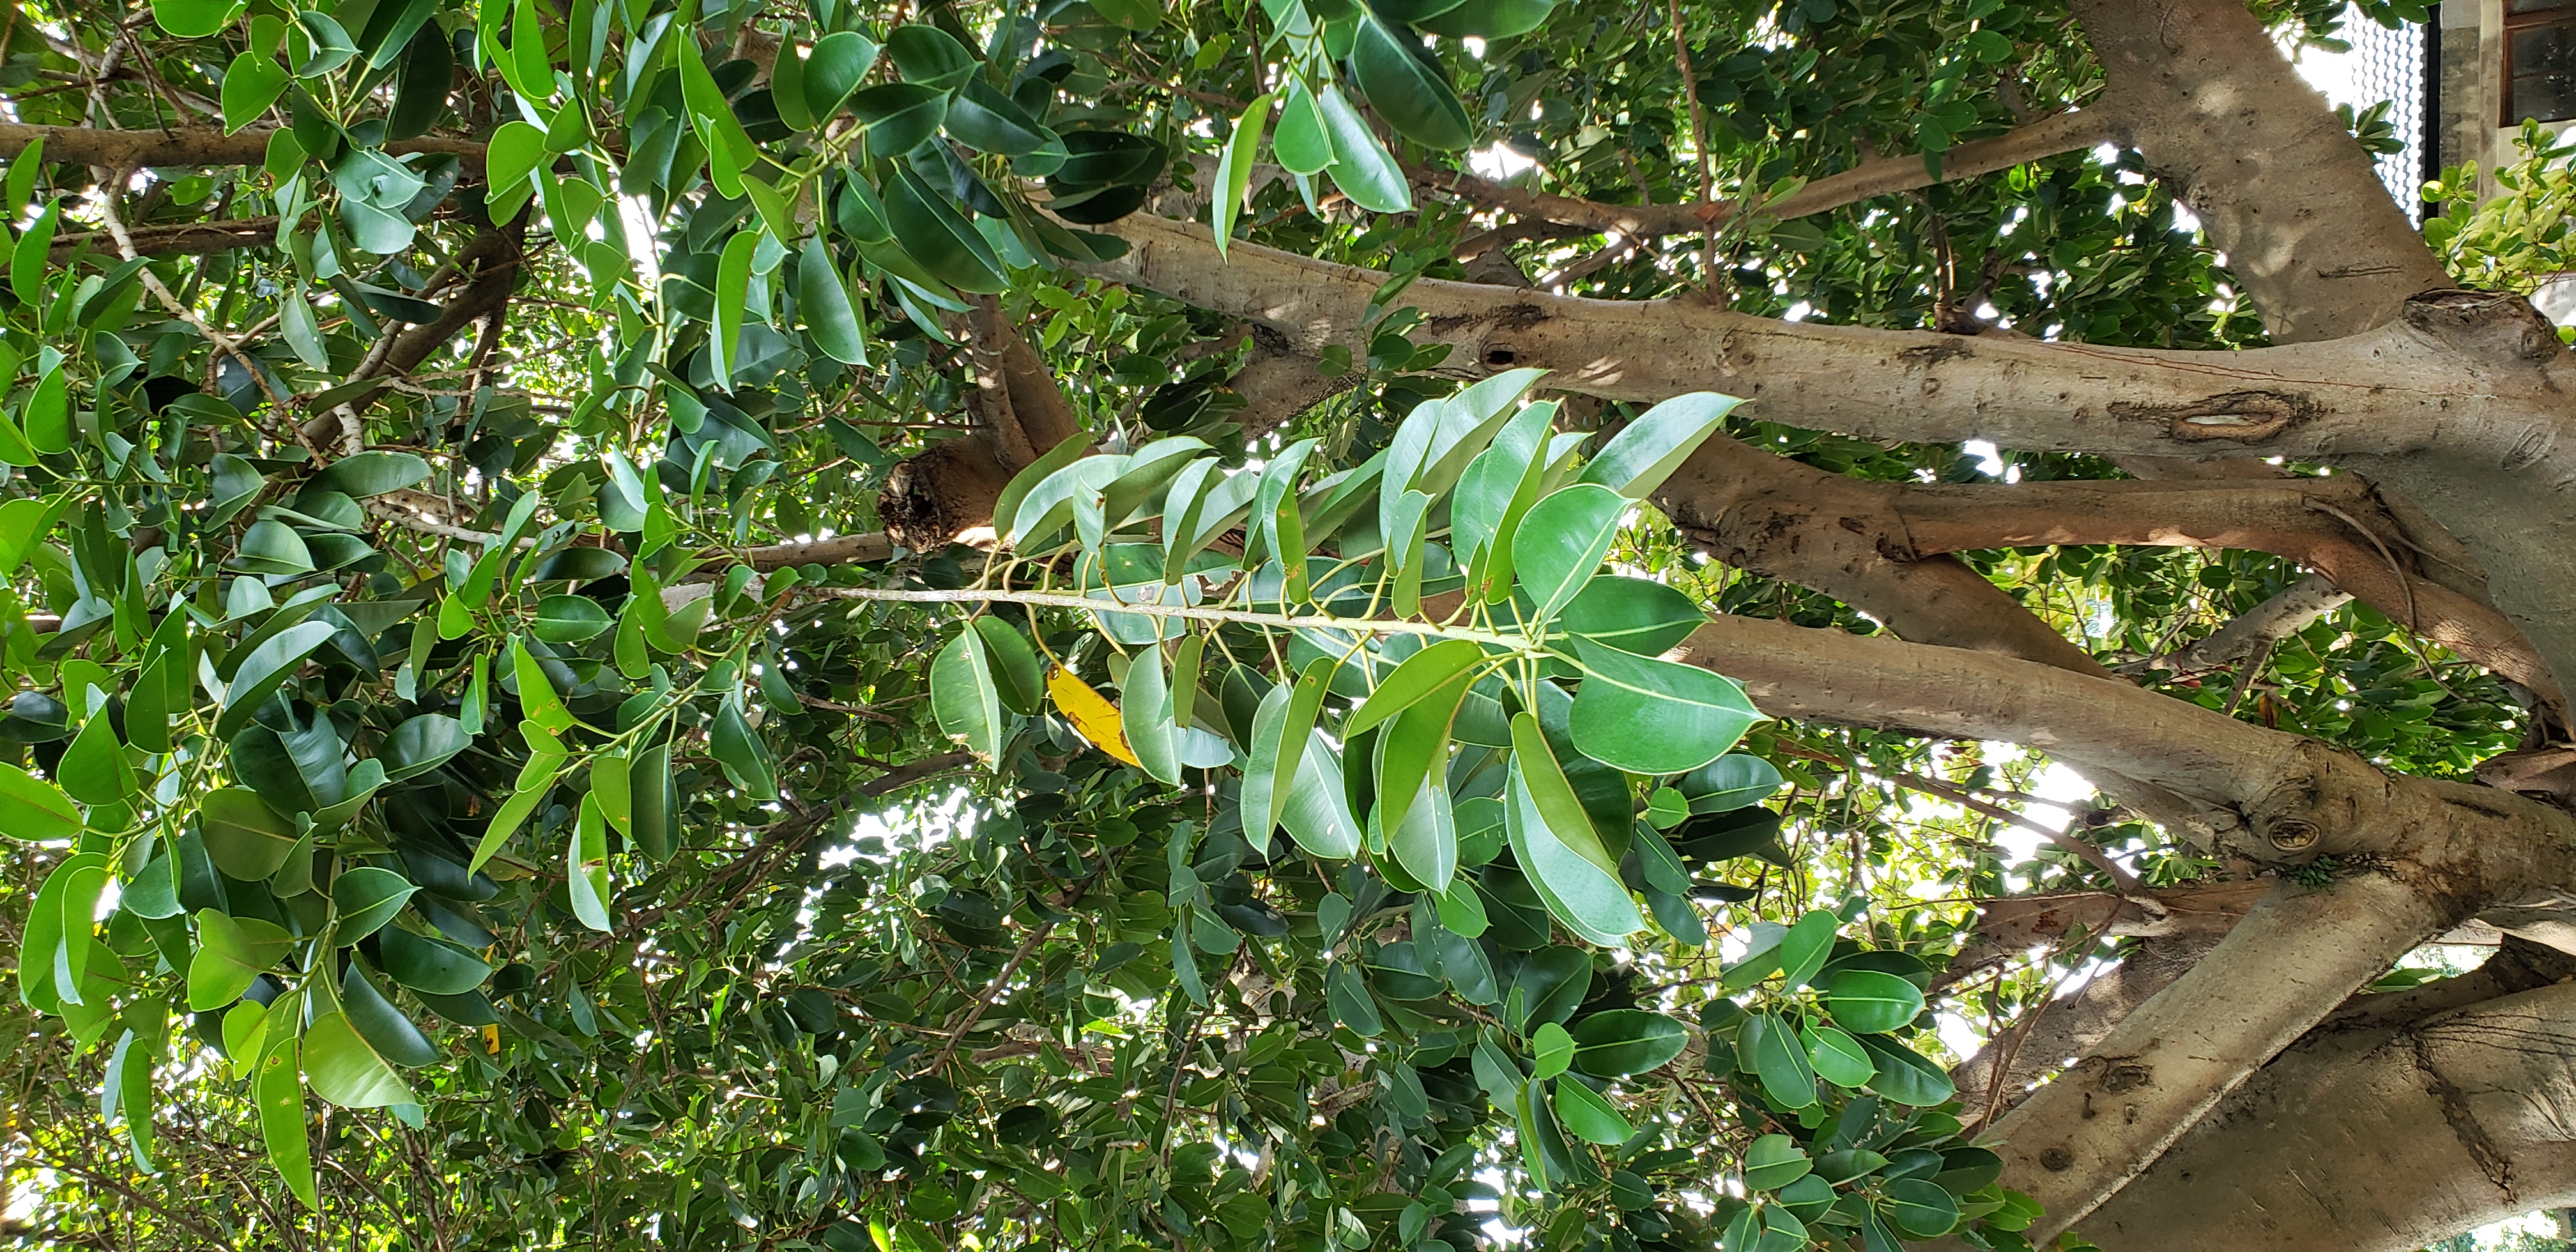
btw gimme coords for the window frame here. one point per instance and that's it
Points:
(2514, 24)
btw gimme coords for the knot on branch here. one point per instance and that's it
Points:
(2234, 416)
(2497, 326)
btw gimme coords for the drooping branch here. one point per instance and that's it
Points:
(2063, 132)
(2247, 636)
(184, 147)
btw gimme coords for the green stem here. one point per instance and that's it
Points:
(1283, 621)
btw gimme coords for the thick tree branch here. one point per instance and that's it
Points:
(2374, 1139)
(2281, 186)
(2252, 633)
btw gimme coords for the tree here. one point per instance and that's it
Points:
(639, 625)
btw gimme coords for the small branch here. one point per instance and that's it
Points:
(2288, 612)
(2090, 855)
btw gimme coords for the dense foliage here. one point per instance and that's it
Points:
(467, 784)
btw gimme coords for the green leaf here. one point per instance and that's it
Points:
(1408, 87)
(1614, 1042)
(1805, 946)
(987, 121)
(1318, 815)
(193, 19)
(1561, 542)
(1146, 709)
(345, 1071)
(430, 965)
(267, 665)
(1729, 783)
(94, 769)
(1553, 797)
(1303, 146)
(1261, 798)
(1649, 716)
(1413, 749)
(930, 56)
(303, 334)
(1349, 1000)
(942, 240)
(1765, 1045)
(963, 696)
(514, 151)
(1583, 1111)
(1773, 1162)
(1638, 459)
(612, 783)
(1362, 167)
(48, 419)
(365, 898)
(1590, 901)
(1838, 1058)
(587, 868)
(1489, 20)
(1234, 168)
(279, 1089)
(733, 296)
(421, 744)
(373, 473)
(899, 116)
(244, 836)
(744, 758)
(538, 700)
(1425, 840)
(1918, 1208)
(840, 62)
(1869, 1002)
(232, 952)
(382, 1026)
(1551, 1050)
(273, 547)
(35, 810)
(514, 812)
(1415, 677)
(1904, 1075)
(1018, 675)
(28, 260)
(41, 945)
(825, 301)
(569, 619)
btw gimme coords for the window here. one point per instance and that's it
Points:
(2539, 60)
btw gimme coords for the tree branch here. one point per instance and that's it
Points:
(184, 147)
(2064, 132)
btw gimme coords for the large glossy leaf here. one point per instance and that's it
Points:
(1589, 900)
(1413, 749)
(1589, 1117)
(41, 948)
(278, 1090)
(1767, 1047)
(1561, 542)
(1362, 167)
(1904, 1075)
(1234, 168)
(1489, 20)
(33, 809)
(825, 301)
(741, 754)
(1837, 1057)
(244, 836)
(1318, 816)
(1303, 145)
(1868, 1001)
(1425, 839)
(383, 1026)
(363, 474)
(231, 952)
(421, 744)
(1151, 732)
(1650, 716)
(964, 697)
(1730, 782)
(426, 964)
(1626, 1041)
(342, 1068)
(586, 873)
(1638, 459)
(269, 664)
(1407, 86)
(1918, 1208)
(1773, 1162)
(1631, 614)
(1415, 677)
(365, 898)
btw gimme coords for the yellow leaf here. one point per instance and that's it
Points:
(1091, 713)
(492, 1040)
